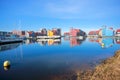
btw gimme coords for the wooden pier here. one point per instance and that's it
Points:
(2, 42)
(48, 37)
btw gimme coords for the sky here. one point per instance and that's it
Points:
(36, 14)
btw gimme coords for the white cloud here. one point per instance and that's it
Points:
(69, 9)
(54, 8)
(79, 9)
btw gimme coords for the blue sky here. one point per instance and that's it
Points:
(36, 14)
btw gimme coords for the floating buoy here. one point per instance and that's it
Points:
(6, 63)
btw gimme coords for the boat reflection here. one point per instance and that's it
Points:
(49, 41)
(104, 42)
(9, 46)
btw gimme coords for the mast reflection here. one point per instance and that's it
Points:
(9, 46)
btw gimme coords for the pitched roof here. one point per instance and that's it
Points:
(118, 30)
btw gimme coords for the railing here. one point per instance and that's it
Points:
(10, 40)
(48, 37)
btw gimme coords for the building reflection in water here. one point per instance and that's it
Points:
(117, 40)
(9, 46)
(30, 41)
(74, 41)
(67, 38)
(44, 42)
(104, 42)
(107, 42)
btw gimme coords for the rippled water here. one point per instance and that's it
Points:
(49, 59)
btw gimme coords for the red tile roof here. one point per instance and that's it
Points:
(30, 32)
(118, 30)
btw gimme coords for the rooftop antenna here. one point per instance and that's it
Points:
(19, 26)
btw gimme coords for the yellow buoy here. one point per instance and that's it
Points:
(6, 63)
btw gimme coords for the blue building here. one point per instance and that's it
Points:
(107, 31)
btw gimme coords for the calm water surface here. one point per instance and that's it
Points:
(48, 59)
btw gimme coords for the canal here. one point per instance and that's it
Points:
(48, 59)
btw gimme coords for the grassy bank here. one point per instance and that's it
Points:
(108, 70)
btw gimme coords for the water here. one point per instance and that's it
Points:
(51, 59)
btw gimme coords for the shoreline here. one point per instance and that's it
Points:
(108, 69)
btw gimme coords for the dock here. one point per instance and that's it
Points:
(48, 40)
(2, 42)
(48, 37)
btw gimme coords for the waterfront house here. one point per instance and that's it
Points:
(118, 32)
(30, 34)
(107, 31)
(12, 36)
(56, 31)
(7, 35)
(59, 31)
(75, 32)
(81, 33)
(92, 33)
(44, 32)
(50, 33)
(38, 34)
(16, 32)
(21, 34)
(3, 35)
(66, 36)
(96, 33)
